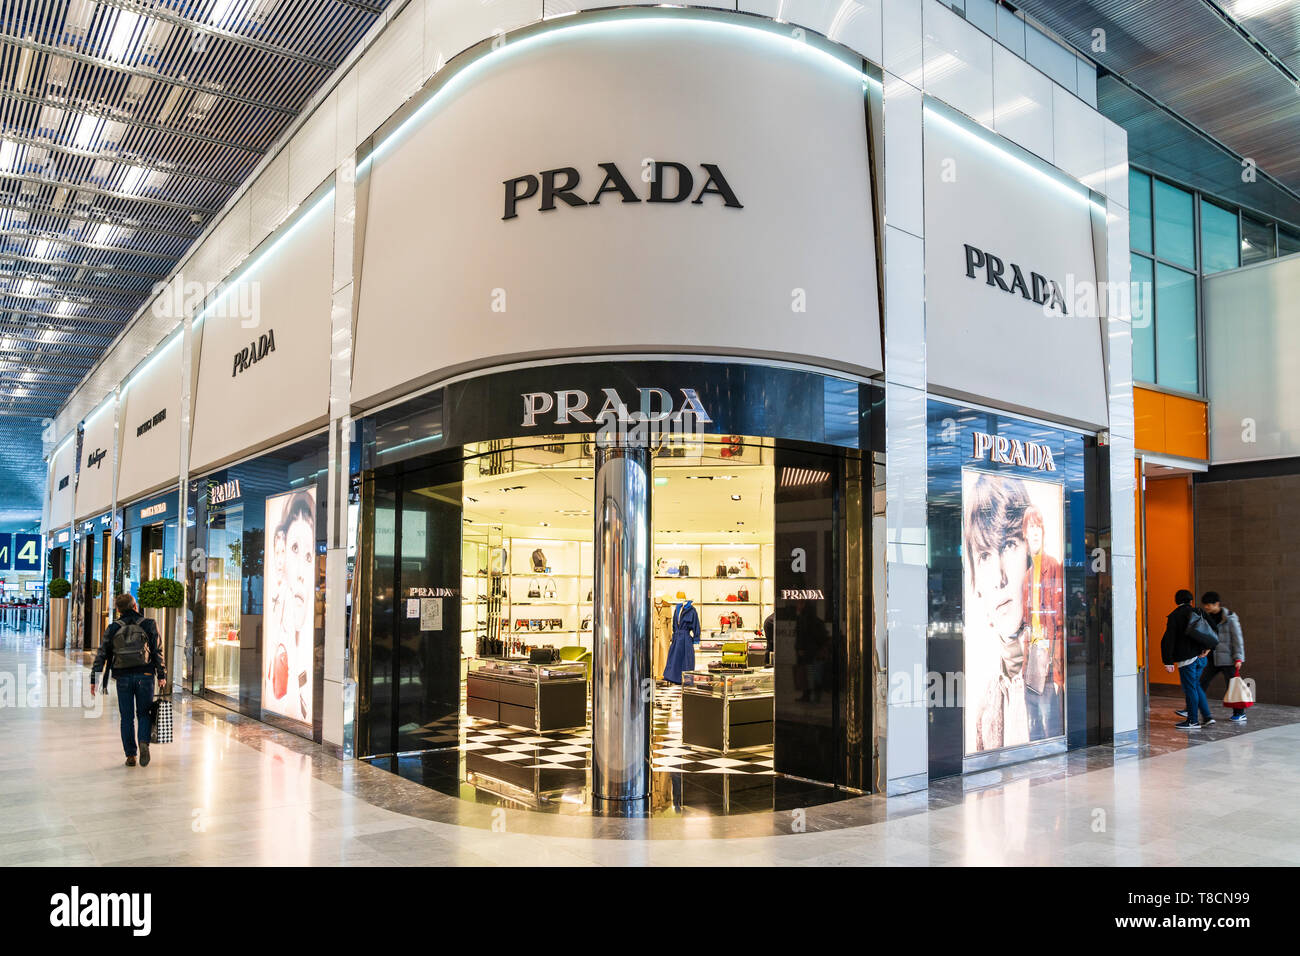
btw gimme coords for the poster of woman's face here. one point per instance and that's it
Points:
(1012, 553)
(288, 632)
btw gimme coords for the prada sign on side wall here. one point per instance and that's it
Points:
(1009, 267)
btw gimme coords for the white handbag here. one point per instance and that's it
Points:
(1240, 694)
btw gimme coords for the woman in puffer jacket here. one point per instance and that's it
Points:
(1230, 653)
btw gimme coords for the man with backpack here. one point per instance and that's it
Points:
(132, 649)
(1186, 642)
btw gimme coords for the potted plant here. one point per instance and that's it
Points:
(159, 598)
(59, 590)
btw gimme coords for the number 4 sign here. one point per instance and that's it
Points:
(27, 552)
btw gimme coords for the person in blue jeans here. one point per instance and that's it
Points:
(133, 651)
(1178, 650)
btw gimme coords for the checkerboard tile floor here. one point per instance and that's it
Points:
(572, 749)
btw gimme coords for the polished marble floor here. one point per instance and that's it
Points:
(232, 791)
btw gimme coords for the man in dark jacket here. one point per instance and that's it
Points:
(1231, 652)
(136, 659)
(1178, 650)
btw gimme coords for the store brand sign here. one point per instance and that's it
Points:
(573, 406)
(63, 482)
(563, 184)
(151, 422)
(1038, 289)
(253, 353)
(1013, 451)
(226, 491)
(153, 510)
(95, 458)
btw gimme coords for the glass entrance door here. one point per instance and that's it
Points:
(412, 696)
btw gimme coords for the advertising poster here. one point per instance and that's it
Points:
(289, 592)
(1014, 609)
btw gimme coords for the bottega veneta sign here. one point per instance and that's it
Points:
(1013, 451)
(151, 422)
(665, 182)
(652, 405)
(1038, 289)
(254, 352)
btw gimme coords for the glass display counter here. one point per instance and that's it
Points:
(727, 711)
(535, 696)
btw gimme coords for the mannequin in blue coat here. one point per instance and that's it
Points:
(686, 633)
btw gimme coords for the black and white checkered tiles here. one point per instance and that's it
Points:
(572, 749)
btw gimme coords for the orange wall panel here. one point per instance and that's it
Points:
(1186, 434)
(1170, 424)
(1149, 419)
(1169, 563)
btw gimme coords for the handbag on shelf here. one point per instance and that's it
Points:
(732, 597)
(548, 589)
(721, 572)
(742, 595)
(534, 589)
(539, 560)
(1239, 693)
(737, 621)
(683, 570)
(544, 655)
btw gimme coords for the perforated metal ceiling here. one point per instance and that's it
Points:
(1228, 67)
(125, 125)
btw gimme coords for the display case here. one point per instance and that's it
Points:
(727, 711)
(535, 696)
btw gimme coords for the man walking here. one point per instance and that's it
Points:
(132, 650)
(1178, 650)
(1231, 652)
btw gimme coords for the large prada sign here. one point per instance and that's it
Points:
(1039, 289)
(666, 182)
(1013, 451)
(253, 353)
(651, 405)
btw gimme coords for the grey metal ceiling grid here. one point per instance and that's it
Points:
(1202, 60)
(126, 125)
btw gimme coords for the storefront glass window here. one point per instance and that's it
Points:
(1175, 239)
(1176, 329)
(1220, 244)
(1257, 240)
(1139, 212)
(224, 579)
(1288, 241)
(1142, 302)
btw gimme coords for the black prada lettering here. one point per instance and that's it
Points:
(1039, 289)
(253, 353)
(671, 182)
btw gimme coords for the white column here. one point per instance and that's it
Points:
(906, 751)
(339, 687)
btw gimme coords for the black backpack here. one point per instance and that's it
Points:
(1201, 634)
(130, 646)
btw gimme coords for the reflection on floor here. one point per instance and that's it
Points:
(233, 791)
(489, 762)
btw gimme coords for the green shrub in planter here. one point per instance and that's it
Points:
(60, 588)
(162, 592)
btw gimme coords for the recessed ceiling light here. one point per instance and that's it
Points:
(735, 497)
(546, 524)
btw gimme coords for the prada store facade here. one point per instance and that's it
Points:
(662, 447)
